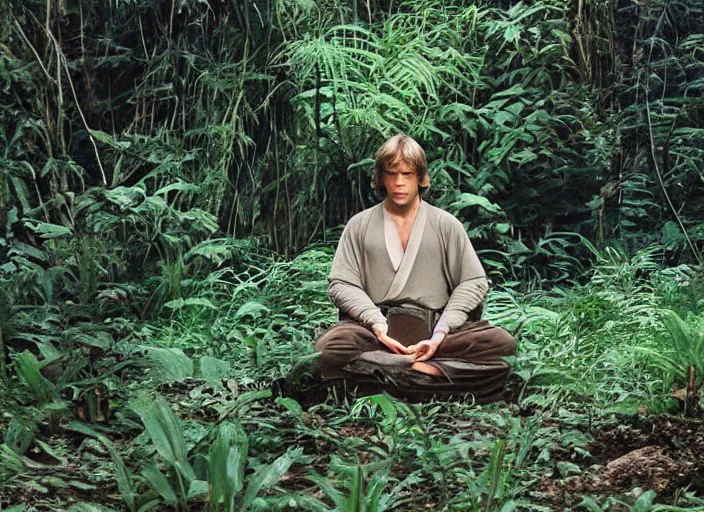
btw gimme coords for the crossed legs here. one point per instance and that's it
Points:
(470, 360)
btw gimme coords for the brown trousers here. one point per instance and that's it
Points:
(470, 359)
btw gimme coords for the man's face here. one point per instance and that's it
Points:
(401, 183)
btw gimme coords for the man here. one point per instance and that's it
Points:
(407, 281)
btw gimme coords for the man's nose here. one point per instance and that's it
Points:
(398, 179)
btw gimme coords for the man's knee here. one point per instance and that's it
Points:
(344, 337)
(505, 343)
(341, 344)
(336, 346)
(333, 336)
(490, 338)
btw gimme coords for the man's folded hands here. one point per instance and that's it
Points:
(422, 350)
(426, 349)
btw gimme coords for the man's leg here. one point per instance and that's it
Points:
(351, 351)
(336, 348)
(340, 345)
(479, 343)
(426, 368)
(472, 359)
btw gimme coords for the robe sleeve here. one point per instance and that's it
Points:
(346, 282)
(467, 277)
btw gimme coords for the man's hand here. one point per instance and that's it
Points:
(426, 349)
(423, 350)
(390, 343)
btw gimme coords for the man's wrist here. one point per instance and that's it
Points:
(438, 337)
(380, 328)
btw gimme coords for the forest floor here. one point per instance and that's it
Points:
(590, 421)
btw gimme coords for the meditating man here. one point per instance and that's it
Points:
(410, 289)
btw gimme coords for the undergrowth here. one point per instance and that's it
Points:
(177, 410)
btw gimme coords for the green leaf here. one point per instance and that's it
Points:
(509, 506)
(98, 339)
(125, 197)
(160, 484)
(81, 486)
(198, 489)
(293, 407)
(193, 301)
(28, 369)
(467, 200)
(216, 250)
(644, 503)
(213, 370)
(165, 431)
(108, 139)
(251, 309)
(512, 33)
(590, 504)
(329, 490)
(28, 251)
(16, 508)
(170, 364)
(51, 452)
(20, 434)
(8, 268)
(568, 468)
(268, 476)
(179, 187)
(46, 230)
(502, 228)
(226, 461)
(493, 472)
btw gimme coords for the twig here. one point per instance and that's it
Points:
(85, 123)
(652, 143)
(39, 60)
(62, 59)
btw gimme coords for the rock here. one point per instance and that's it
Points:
(649, 466)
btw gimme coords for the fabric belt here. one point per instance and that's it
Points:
(429, 316)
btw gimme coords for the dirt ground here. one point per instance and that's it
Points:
(661, 453)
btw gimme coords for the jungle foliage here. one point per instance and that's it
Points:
(173, 178)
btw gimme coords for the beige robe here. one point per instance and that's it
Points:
(439, 272)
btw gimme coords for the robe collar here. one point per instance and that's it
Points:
(403, 261)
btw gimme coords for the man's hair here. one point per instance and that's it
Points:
(404, 147)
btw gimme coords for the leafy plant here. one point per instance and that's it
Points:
(226, 463)
(363, 490)
(164, 429)
(644, 503)
(682, 358)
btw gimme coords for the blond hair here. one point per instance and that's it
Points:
(404, 147)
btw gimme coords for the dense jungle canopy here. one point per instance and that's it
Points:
(174, 176)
